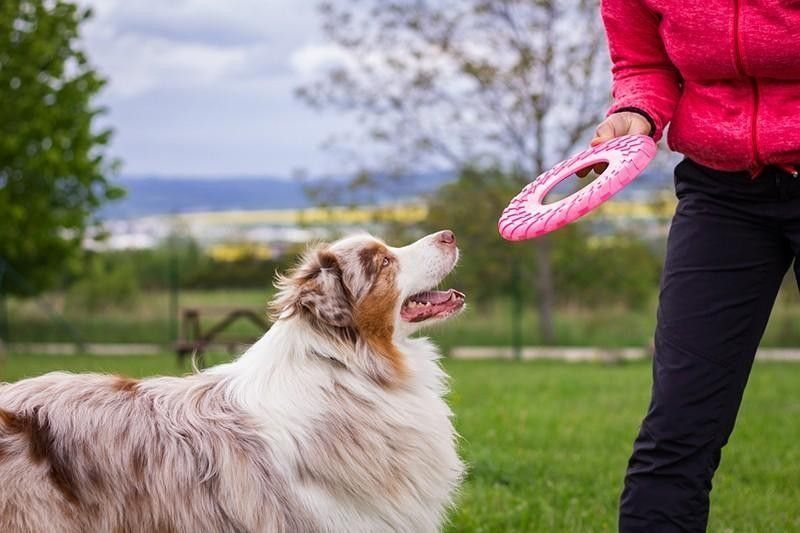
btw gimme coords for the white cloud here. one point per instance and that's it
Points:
(158, 63)
(223, 22)
(206, 86)
(313, 58)
(148, 44)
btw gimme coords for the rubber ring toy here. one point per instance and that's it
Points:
(526, 217)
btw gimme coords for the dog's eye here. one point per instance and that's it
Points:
(386, 262)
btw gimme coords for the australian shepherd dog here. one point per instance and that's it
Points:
(334, 421)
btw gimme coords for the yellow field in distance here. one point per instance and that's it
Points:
(407, 214)
(315, 216)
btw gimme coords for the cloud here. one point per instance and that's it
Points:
(149, 44)
(158, 63)
(230, 22)
(313, 58)
(205, 87)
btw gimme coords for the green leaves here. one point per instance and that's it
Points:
(53, 165)
(586, 271)
(470, 206)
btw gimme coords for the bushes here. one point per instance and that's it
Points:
(242, 274)
(177, 262)
(588, 271)
(470, 206)
(104, 284)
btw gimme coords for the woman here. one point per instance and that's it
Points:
(726, 75)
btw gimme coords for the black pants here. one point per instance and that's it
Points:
(731, 243)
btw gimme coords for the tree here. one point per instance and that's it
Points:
(53, 166)
(512, 84)
(466, 204)
(599, 271)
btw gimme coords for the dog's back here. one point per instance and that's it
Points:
(103, 453)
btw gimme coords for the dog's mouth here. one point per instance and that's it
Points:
(432, 304)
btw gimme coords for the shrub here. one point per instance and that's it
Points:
(104, 285)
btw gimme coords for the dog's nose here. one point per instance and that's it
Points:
(447, 237)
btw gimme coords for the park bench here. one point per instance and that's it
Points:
(194, 340)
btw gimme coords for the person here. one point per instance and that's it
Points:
(725, 74)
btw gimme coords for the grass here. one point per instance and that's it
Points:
(147, 321)
(547, 443)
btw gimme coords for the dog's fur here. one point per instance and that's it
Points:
(333, 421)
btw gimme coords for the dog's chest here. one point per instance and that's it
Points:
(373, 459)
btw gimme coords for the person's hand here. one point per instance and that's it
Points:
(616, 125)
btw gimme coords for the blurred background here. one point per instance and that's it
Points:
(160, 161)
(164, 157)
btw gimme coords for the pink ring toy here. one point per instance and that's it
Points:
(527, 217)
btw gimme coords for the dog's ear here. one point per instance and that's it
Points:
(325, 295)
(315, 287)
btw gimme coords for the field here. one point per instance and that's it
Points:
(547, 443)
(147, 321)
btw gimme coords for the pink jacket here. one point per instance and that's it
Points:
(725, 73)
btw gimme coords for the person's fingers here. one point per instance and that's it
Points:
(599, 168)
(638, 125)
(606, 131)
(616, 125)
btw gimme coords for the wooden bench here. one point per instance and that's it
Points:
(193, 341)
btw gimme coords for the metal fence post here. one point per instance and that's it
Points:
(173, 291)
(516, 310)
(5, 330)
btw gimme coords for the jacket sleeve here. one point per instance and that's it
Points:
(644, 78)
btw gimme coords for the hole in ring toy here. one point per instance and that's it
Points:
(527, 216)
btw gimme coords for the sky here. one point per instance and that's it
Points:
(205, 87)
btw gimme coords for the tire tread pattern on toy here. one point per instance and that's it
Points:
(526, 217)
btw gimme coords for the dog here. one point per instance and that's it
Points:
(333, 421)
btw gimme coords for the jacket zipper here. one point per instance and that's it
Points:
(737, 47)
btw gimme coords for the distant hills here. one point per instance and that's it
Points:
(166, 195)
(158, 195)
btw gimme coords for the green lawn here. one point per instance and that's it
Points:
(547, 442)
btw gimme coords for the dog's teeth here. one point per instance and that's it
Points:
(427, 304)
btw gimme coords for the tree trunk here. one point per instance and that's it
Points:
(545, 290)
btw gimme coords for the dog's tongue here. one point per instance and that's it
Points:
(429, 304)
(434, 297)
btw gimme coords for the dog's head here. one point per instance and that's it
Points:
(370, 293)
